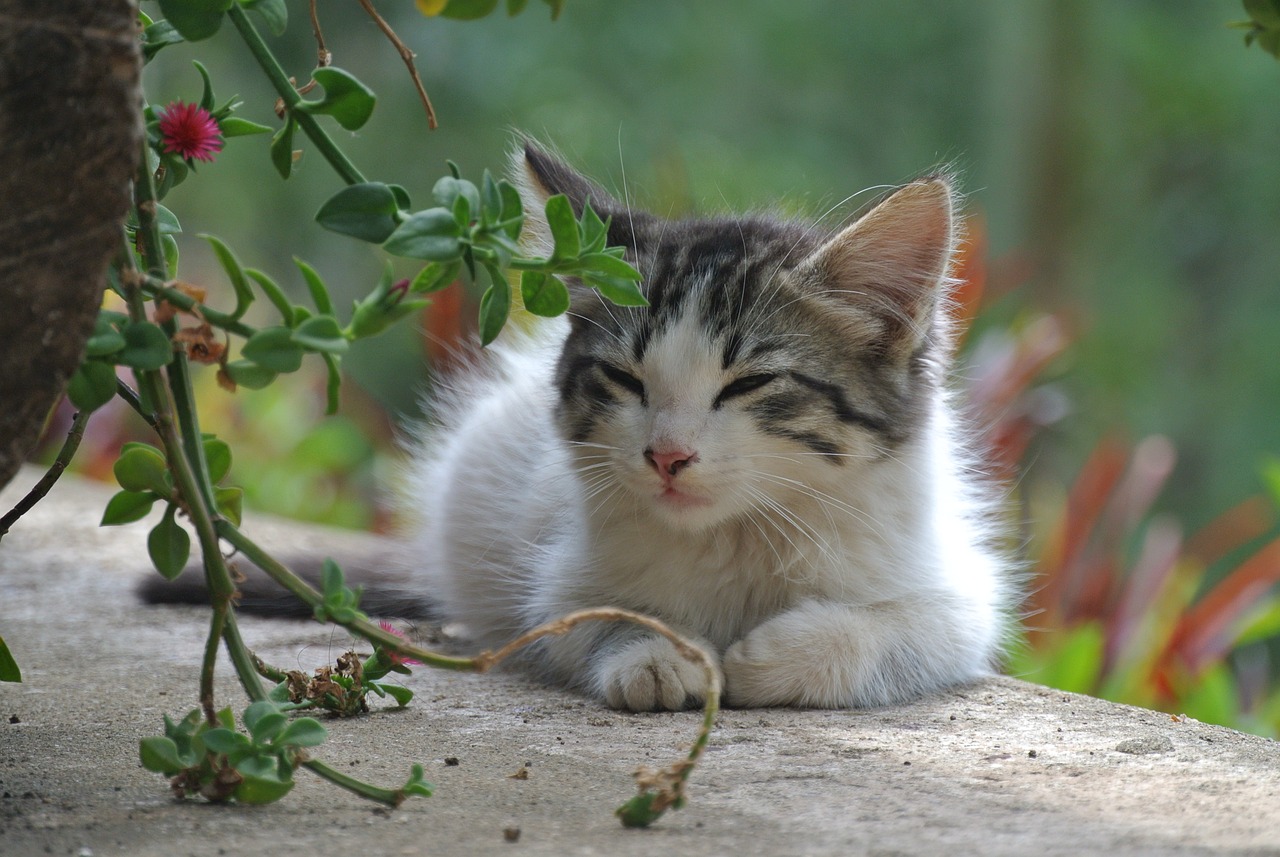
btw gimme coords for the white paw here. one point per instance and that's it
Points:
(775, 665)
(650, 675)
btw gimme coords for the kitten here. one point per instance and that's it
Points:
(764, 458)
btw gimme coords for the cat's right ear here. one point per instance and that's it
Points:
(539, 176)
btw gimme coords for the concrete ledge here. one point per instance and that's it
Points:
(1004, 767)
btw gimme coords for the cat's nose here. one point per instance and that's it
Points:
(670, 463)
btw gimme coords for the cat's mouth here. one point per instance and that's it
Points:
(673, 496)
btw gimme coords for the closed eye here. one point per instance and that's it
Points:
(742, 386)
(623, 379)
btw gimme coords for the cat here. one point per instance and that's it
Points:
(764, 457)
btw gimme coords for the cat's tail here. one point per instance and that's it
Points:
(384, 592)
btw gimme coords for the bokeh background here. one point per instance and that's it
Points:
(1120, 162)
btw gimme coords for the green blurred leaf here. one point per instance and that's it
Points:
(495, 306)
(206, 95)
(639, 811)
(160, 755)
(365, 211)
(595, 232)
(273, 348)
(230, 503)
(235, 273)
(273, 12)
(125, 507)
(563, 226)
(106, 338)
(169, 546)
(170, 255)
(515, 7)
(223, 740)
(282, 147)
(316, 286)
(436, 276)
(92, 385)
(556, 7)
(234, 126)
(333, 383)
(447, 190)
(146, 346)
(249, 374)
(258, 790)
(8, 666)
(431, 234)
(401, 694)
(142, 468)
(256, 713)
(346, 99)
(322, 333)
(274, 293)
(616, 290)
(303, 732)
(158, 36)
(195, 19)
(416, 785)
(610, 266)
(468, 10)
(543, 294)
(217, 455)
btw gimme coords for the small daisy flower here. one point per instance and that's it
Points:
(188, 130)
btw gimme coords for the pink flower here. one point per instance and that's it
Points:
(395, 659)
(190, 131)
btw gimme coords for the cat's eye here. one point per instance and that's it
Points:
(742, 386)
(623, 379)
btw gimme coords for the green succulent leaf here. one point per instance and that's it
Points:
(169, 546)
(416, 785)
(250, 375)
(160, 755)
(230, 503)
(125, 507)
(158, 36)
(195, 19)
(225, 741)
(282, 147)
(106, 338)
(346, 99)
(401, 694)
(92, 385)
(622, 292)
(495, 306)
(436, 276)
(235, 273)
(316, 286)
(322, 333)
(217, 455)
(273, 12)
(366, 211)
(639, 811)
(273, 348)
(543, 294)
(563, 226)
(468, 10)
(142, 468)
(145, 346)
(8, 666)
(303, 732)
(234, 126)
(432, 234)
(274, 293)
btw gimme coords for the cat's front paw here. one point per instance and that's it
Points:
(650, 675)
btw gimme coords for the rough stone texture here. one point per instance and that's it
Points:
(69, 140)
(1004, 767)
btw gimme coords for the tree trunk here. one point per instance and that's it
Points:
(69, 141)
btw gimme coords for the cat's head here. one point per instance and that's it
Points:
(774, 362)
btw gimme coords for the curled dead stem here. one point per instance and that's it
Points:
(661, 788)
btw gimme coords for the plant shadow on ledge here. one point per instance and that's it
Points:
(159, 326)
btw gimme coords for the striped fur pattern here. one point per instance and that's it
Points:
(764, 458)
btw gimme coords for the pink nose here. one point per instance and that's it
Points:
(668, 464)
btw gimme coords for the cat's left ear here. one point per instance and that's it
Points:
(540, 176)
(893, 261)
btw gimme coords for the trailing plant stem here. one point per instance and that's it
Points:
(289, 95)
(41, 488)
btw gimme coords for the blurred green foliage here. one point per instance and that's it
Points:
(1122, 156)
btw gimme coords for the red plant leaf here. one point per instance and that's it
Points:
(1203, 633)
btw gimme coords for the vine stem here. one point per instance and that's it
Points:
(289, 95)
(406, 56)
(158, 288)
(51, 476)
